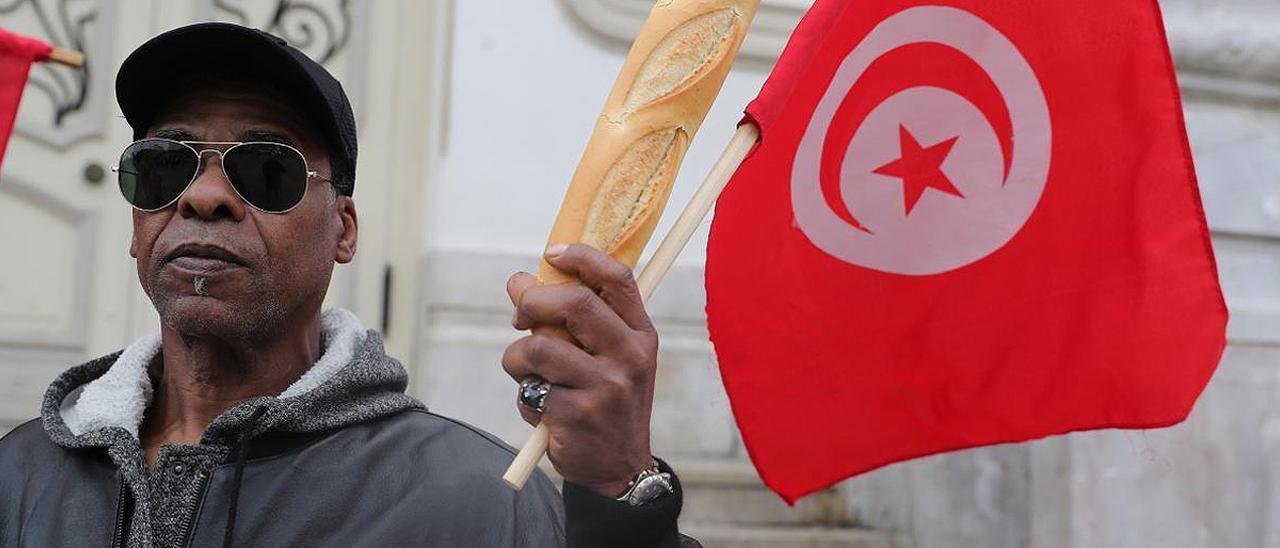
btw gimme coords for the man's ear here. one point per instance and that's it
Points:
(349, 228)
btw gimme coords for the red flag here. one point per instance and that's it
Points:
(17, 52)
(966, 223)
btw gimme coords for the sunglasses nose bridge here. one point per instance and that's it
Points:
(219, 170)
(210, 189)
(200, 163)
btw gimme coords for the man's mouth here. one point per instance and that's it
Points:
(202, 258)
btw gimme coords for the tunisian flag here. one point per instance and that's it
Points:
(17, 52)
(966, 223)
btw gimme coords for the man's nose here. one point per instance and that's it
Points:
(211, 197)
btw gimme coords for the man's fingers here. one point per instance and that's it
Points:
(601, 394)
(583, 313)
(564, 407)
(530, 416)
(516, 286)
(612, 280)
(559, 362)
(517, 283)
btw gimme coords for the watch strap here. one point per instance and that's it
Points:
(592, 519)
(647, 486)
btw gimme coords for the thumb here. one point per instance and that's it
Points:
(516, 286)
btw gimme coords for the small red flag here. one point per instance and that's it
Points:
(17, 52)
(966, 223)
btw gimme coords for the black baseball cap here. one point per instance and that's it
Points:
(149, 78)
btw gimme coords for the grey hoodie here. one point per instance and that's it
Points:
(100, 405)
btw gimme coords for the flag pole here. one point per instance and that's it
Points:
(696, 210)
(672, 244)
(68, 57)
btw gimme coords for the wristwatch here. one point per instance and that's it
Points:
(649, 485)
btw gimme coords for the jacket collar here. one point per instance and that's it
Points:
(112, 394)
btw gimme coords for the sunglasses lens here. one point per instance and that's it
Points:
(272, 177)
(153, 172)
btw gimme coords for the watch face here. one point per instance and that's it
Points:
(649, 489)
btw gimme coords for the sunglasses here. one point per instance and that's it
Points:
(271, 177)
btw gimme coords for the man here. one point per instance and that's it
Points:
(252, 418)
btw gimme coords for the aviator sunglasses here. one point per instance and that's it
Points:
(271, 177)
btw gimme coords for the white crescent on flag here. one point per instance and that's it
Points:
(925, 174)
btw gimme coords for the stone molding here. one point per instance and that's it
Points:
(1242, 43)
(1222, 52)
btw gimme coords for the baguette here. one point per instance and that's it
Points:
(668, 81)
(666, 86)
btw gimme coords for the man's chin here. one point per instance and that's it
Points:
(213, 316)
(230, 305)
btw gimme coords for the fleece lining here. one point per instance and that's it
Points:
(121, 396)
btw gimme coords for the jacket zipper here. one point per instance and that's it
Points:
(202, 480)
(118, 539)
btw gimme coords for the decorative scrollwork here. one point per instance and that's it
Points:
(319, 28)
(67, 89)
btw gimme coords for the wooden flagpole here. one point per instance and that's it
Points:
(70, 58)
(743, 140)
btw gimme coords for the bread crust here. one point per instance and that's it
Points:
(666, 86)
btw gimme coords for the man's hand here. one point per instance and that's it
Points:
(602, 387)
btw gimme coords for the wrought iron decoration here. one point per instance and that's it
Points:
(66, 88)
(321, 29)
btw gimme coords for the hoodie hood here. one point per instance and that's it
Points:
(354, 380)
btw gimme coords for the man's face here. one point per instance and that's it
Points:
(257, 272)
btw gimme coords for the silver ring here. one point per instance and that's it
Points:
(533, 393)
